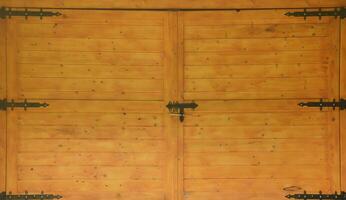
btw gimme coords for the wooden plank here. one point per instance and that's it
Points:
(225, 58)
(343, 95)
(260, 186)
(82, 145)
(256, 132)
(3, 116)
(104, 195)
(92, 85)
(254, 158)
(250, 17)
(266, 145)
(50, 57)
(101, 17)
(90, 119)
(333, 154)
(216, 31)
(256, 44)
(256, 84)
(180, 132)
(255, 71)
(250, 119)
(175, 4)
(98, 106)
(101, 95)
(90, 44)
(12, 93)
(91, 185)
(88, 173)
(170, 94)
(302, 172)
(89, 31)
(90, 158)
(87, 132)
(90, 71)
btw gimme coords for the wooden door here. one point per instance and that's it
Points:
(106, 133)
(248, 139)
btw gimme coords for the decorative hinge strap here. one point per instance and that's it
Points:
(16, 12)
(26, 196)
(178, 109)
(337, 12)
(325, 104)
(4, 104)
(320, 196)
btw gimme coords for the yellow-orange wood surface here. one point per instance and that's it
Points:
(108, 75)
(248, 139)
(106, 133)
(169, 4)
(2, 114)
(343, 95)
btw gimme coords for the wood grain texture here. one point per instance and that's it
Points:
(343, 95)
(248, 131)
(145, 4)
(3, 94)
(107, 129)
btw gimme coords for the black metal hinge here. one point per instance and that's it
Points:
(176, 108)
(325, 104)
(320, 196)
(15, 12)
(4, 104)
(337, 12)
(26, 196)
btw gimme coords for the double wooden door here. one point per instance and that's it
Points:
(108, 75)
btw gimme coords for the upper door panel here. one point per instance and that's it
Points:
(88, 55)
(257, 55)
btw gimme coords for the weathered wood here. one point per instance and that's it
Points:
(137, 4)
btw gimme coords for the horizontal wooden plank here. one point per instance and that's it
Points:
(175, 4)
(91, 85)
(98, 17)
(251, 16)
(87, 132)
(90, 119)
(90, 95)
(258, 44)
(316, 172)
(256, 58)
(248, 30)
(254, 158)
(257, 186)
(255, 132)
(90, 44)
(257, 119)
(105, 195)
(88, 173)
(253, 106)
(110, 58)
(99, 106)
(90, 71)
(262, 145)
(56, 30)
(90, 159)
(255, 84)
(255, 71)
(255, 195)
(84, 185)
(303, 94)
(100, 145)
